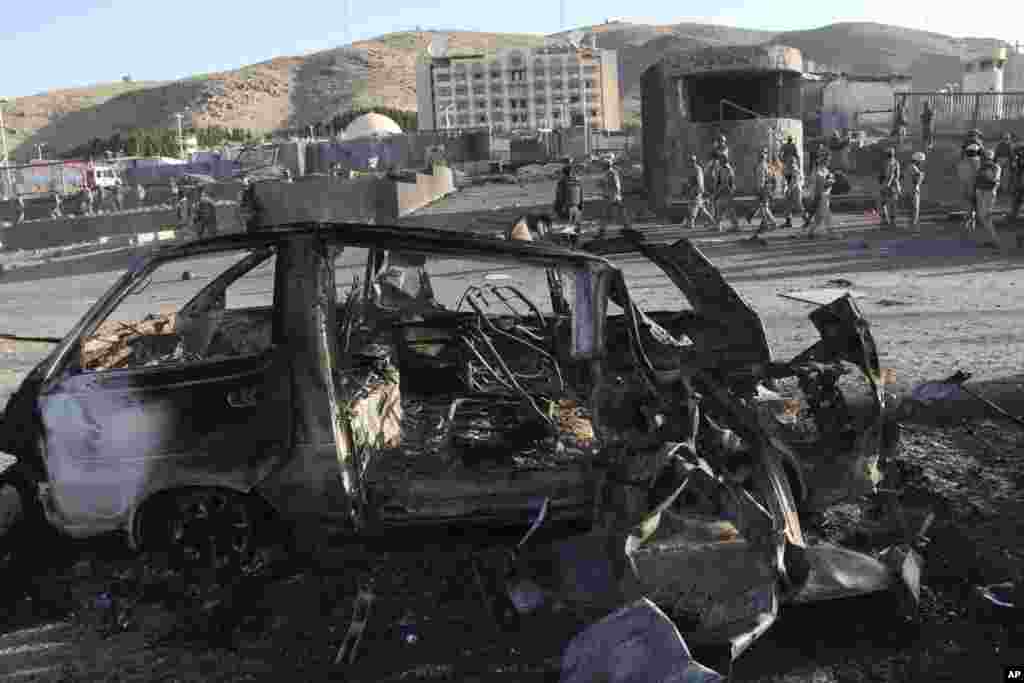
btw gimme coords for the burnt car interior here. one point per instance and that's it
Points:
(187, 311)
(479, 352)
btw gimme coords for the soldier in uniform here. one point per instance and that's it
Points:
(915, 176)
(822, 198)
(1004, 150)
(967, 171)
(613, 195)
(926, 126)
(140, 193)
(986, 185)
(118, 196)
(19, 208)
(1017, 171)
(789, 152)
(696, 194)
(765, 190)
(569, 196)
(889, 179)
(725, 191)
(57, 210)
(794, 190)
(205, 215)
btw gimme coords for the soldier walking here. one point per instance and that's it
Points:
(927, 116)
(569, 197)
(613, 195)
(765, 190)
(725, 191)
(985, 186)
(822, 217)
(89, 201)
(794, 190)
(19, 208)
(57, 211)
(1017, 183)
(1004, 151)
(697, 193)
(967, 171)
(889, 179)
(205, 215)
(140, 193)
(788, 152)
(915, 177)
(117, 194)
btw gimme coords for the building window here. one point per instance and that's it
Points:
(540, 101)
(478, 76)
(444, 92)
(593, 113)
(443, 78)
(497, 88)
(589, 84)
(522, 104)
(556, 85)
(479, 90)
(574, 99)
(496, 75)
(462, 106)
(482, 118)
(461, 91)
(556, 114)
(481, 104)
(498, 104)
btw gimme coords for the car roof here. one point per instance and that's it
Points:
(391, 237)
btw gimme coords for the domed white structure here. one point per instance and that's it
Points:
(371, 125)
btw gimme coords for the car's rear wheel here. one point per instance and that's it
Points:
(207, 529)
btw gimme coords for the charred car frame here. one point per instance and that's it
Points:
(372, 406)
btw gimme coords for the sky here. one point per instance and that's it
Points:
(70, 43)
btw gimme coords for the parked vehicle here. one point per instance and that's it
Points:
(362, 378)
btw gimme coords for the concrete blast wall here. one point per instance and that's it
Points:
(669, 138)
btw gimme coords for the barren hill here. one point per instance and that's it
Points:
(300, 90)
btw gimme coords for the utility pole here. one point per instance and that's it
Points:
(181, 138)
(3, 138)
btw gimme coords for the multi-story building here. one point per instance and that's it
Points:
(520, 89)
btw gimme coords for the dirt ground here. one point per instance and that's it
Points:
(936, 303)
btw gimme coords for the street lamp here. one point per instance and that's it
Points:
(3, 138)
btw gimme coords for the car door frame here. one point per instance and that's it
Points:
(191, 466)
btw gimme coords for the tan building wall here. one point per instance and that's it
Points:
(520, 89)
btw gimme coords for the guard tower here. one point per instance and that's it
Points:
(752, 94)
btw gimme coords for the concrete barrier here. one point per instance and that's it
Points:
(313, 198)
(55, 233)
(427, 189)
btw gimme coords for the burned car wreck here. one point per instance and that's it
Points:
(348, 378)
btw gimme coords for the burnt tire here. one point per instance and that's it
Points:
(207, 530)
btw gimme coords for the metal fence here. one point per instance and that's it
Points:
(962, 109)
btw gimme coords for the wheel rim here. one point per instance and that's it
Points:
(211, 530)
